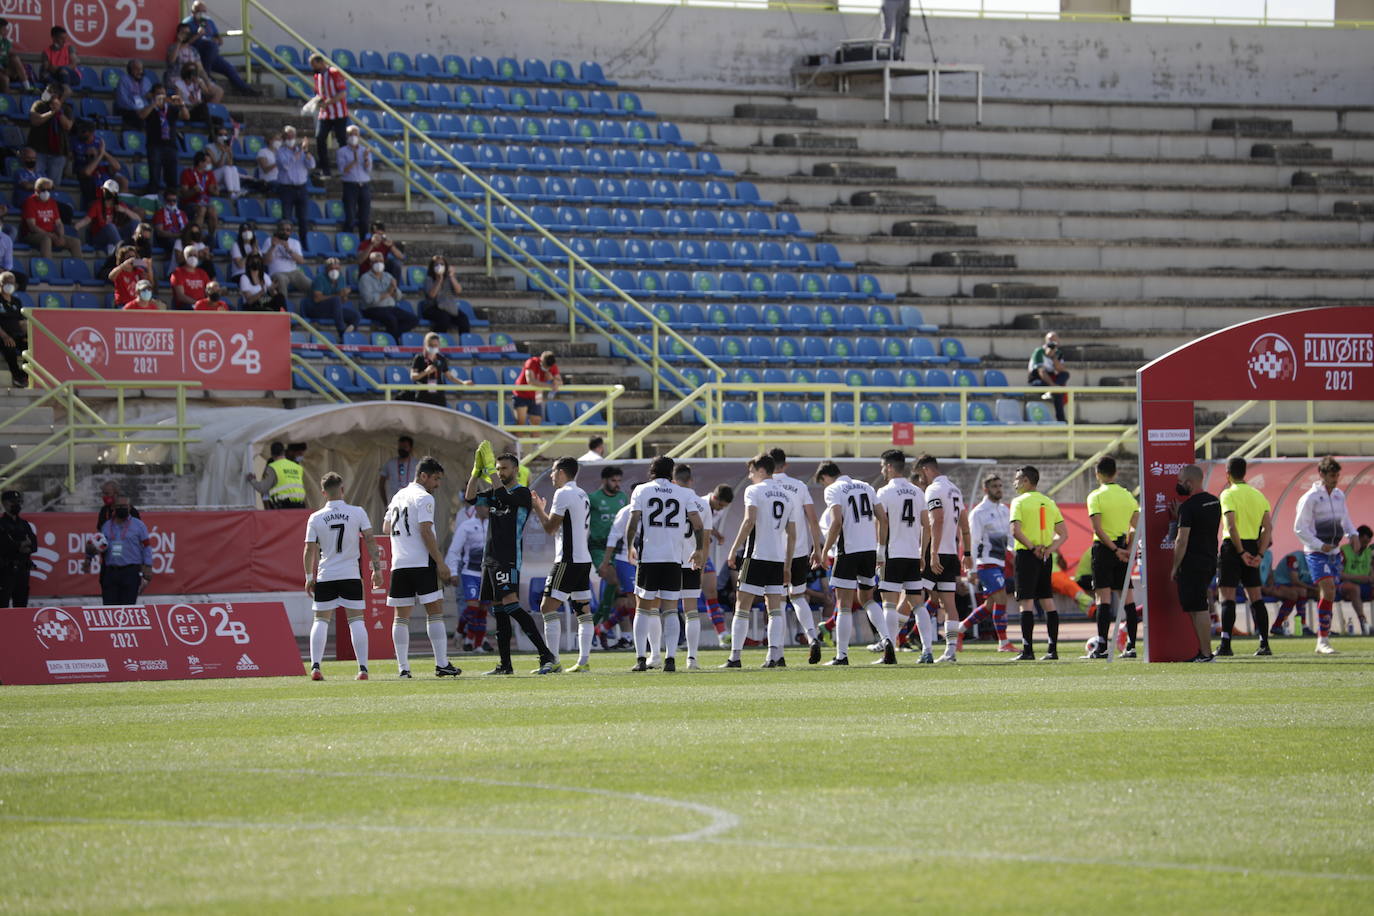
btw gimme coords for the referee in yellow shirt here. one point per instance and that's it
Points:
(1113, 512)
(1248, 530)
(1037, 527)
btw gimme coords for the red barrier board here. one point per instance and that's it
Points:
(378, 616)
(150, 642)
(194, 553)
(97, 28)
(225, 351)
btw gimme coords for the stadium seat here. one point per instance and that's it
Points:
(927, 413)
(965, 379)
(557, 413)
(1007, 410)
(1039, 412)
(901, 412)
(953, 349)
(937, 378)
(923, 351)
(981, 413)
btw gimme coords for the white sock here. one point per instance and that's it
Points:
(878, 618)
(400, 638)
(438, 640)
(655, 632)
(844, 631)
(553, 632)
(739, 632)
(693, 633)
(358, 629)
(804, 617)
(951, 636)
(319, 632)
(777, 635)
(585, 633)
(640, 628)
(894, 621)
(672, 630)
(925, 625)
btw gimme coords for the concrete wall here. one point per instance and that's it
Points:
(701, 47)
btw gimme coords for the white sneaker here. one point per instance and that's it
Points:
(876, 647)
(692, 665)
(947, 657)
(1324, 647)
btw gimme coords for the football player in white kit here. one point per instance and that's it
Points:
(854, 511)
(415, 567)
(806, 555)
(690, 594)
(989, 525)
(948, 526)
(332, 576)
(661, 515)
(767, 539)
(568, 519)
(900, 532)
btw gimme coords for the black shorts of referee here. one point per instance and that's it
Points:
(1232, 569)
(1033, 581)
(1109, 570)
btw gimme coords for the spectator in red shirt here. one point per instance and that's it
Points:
(110, 221)
(538, 370)
(170, 223)
(393, 253)
(128, 272)
(198, 185)
(331, 100)
(43, 225)
(143, 299)
(189, 282)
(214, 300)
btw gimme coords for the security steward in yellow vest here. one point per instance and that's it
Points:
(283, 482)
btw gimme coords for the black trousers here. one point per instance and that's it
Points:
(14, 585)
(339, 128)
(119, 584)
(162, 168)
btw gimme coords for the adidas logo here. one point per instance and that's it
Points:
(245, 664)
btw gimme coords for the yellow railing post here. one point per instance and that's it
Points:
(486, 229)
(405, 158)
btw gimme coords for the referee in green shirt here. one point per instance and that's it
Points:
(1037, 527)
(1247, 532)
(1113, 513)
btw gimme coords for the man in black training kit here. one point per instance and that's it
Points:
(1195, 555)
(508, 505)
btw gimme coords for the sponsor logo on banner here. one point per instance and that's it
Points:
(1170, 435)
(1166, 469)
(111, 28)
(1271, 359)
(89, 346)
(187, 624)
(1338, 351)
(245, 664)
(56, 627)
(78, 666)
(145, 341)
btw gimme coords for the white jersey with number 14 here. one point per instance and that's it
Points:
(859, 528)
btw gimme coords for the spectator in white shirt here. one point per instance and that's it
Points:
(596, 451)
(379, 294)
(284, 259)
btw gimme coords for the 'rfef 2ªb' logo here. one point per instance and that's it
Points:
(1271, 359)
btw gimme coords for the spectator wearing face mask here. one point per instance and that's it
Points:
(50, 126)
(393, 252)
(196, 90)
(355, 168)
(430, 367)
(43, 227)
(206, 39)
(13, 330)
(144, 299)
(440, 304)
(379, 294)
(213, 301)
(189, 281)
(110, 222)
(196, 247)
(25, 176)
(170, 223)
(222, 162)
(160, 117)
(131, 95)
(294, 163)
(284, 259)
(94, 164)
(246, 244)
(267, 171)
(131, 269)
(127, 563)
(328, 299)
(198, 185)
(258, 293)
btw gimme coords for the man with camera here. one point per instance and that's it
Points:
(1046, 369)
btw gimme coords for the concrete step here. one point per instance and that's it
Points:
(1345, 178)
(1134, 284)
(971, 259)
(1300, 152)
(928, 228)
(814, 140)
(864, 170)
(775, 112)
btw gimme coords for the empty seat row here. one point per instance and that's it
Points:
(1004, 411)
(636, 191)
(704, 284)
(702, 223)
(770, 318)
(853, 378)
(763, 350)
(741, 253)
(516, 100)
(545, 130)
(491, 158)
(370, 62)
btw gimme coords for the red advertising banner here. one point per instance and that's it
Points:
(194, 553)
(377, 615)
(96, 28)
(150, 642)
(1166, 448)
(225, 351)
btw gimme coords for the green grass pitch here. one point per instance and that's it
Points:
(1246, 786)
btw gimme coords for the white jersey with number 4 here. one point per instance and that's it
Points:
(989, 527)
(943, 494)
(702, 507)
(903, 502)
(336, 528)
(570, 538)
(662, 507)
(801, 495)
(774, 507)
(410, 507)
(859, 529)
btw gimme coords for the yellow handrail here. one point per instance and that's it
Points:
(457, 208)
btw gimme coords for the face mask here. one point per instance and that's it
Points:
(247, 235)
(46, 96)
(439, 269)
(107, 500)
(145, 294)
(377, 267)
(43, 195)
(333, 275)
(1181, 489)
(193, 262)
(431, 351)
(8, 289)
(170, 205)
(292, 142)
(223, 138)
(403, 452)
(276, 144)
(213, 295)
(204, 166)
(283, 234)
(353, 140)
(121, 512)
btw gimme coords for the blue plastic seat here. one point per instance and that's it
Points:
(855, 378)
(928, 413)
(1039, 412)
(953, 349)
(923, 350)
(590, 72)
(938, 378)
(949, 413)
(965, 379)
(901, 412)
(1007, 410)
(994, 378)
(981, 413)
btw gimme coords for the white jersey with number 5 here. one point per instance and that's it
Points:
(702, 507)
(801, 495)
(336, 528)
(859, 529)
(943, 494)
(410, 507)
(903, 502)
(774, 507)
(570, 540)
(662, 507)
(989, 527)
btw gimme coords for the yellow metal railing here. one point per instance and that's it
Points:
(477, 220)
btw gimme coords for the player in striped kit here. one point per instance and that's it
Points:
(989, 525)
(806, 555)
(568, 519)
(767, 540)
(900, 533)
(661, 515)
(1322, 522)
(332, 576)
(854, 511)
